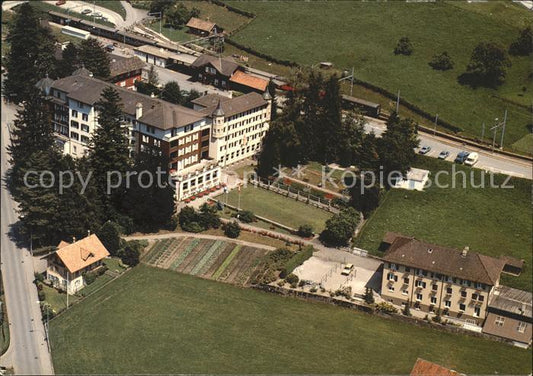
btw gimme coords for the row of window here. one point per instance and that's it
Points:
(83, 139)
(244, 131)
(521, 328)
(240, 152)
(432, 275)
(207, 177)
(84, 117)
(76, 125)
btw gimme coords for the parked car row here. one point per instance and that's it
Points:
(463, 157)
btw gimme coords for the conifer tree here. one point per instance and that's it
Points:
(30, 55)
(109, 154)
(93, 55)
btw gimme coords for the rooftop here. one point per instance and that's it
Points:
(230, 106)
(119, 64)
(512, 300)
(225, 66)
(82, 253)
(246, 79)
(452, 262)
(156, 112)
(199, 24)
(417, 174)
(424, 368)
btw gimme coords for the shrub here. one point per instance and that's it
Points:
(89, 277)
(130, 255)
(292, 279)
(301, 283)
(386, 308)
(41, 295)
(305, 231)
(403, 47)
(407, 309)
(523, 45)
(442, 61)
(340, 228)
(109, 235)
(369, 296)
(313, 289)
(39, 277)
(232, 230)
(246, 216)
(192, 227)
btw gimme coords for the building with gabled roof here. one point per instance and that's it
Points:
(125, 71)
(455, 283)
(67, 266)
(245, 82)
(215, 70)
(202, 27)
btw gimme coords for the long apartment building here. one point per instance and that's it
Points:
(457, 283)
(185, 136)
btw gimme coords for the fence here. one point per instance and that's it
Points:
(302, 196)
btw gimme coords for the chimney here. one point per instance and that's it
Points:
(88, 232)
(73, 239)
(465, 250)
(138, 110)
(152, 95)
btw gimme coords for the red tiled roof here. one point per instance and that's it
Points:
(424, 368)
(245, 79)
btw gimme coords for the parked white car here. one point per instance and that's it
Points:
(471, 159)
(347, 269)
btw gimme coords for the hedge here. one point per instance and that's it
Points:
(297, 260)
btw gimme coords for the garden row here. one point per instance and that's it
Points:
(207, 258)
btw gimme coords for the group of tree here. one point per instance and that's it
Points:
(90, 53)
(110, 236)
(487, 67)
(175, 13)
(170, 92)
(197, 221)
(340, 228)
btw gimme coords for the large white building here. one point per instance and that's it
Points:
(197, 142)
(238, 124)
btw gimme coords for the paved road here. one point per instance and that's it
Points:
(487, 160)
(28, 350)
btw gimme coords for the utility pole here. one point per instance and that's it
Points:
(494, 129)
(503, 129)
(351, 78)
(482, 132)
(398, 103)
(435, 128)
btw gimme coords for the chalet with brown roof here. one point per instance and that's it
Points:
(245, 82)
(432, 278)
(67, 266)
(202, 27)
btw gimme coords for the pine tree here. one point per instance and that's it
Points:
(39, 200)
(150, 206)
(109, 154)
(93, 55)
(153, 77)
(330, 131)
(30, 56)
(172, 93)
(32, 133)
(274, 107)
(70, 61)
(407, 309)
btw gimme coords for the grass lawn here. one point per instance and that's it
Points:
(278, 208)
(176, 35)
(58, 300)
(158, 321)
(229, 21)
(348, 36)
(491, 221)
(113, 5)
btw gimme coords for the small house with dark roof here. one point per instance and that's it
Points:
(510, 315)
(432, 278)
(202, 27)
(214, 70)
(125, 71)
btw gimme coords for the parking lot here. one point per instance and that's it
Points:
(325, 268)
